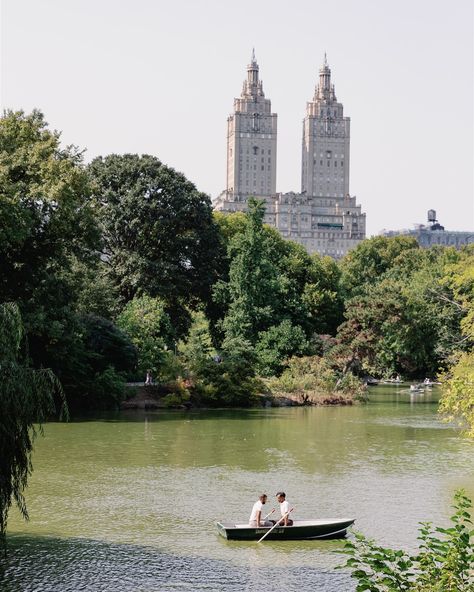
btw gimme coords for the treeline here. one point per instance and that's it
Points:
(120, 268)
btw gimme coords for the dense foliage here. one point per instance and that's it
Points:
(48, 234)
(146, 322)
(120, 267)
(442, 564)
(158, 234)
(458, 391)
(26, 400)
(402, 321)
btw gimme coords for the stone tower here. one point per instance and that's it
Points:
(324, 217)
(251, 140)
(326, 137)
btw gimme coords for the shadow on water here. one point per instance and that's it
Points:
(52, 564)
(138, 415)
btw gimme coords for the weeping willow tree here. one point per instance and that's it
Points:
(26, 401)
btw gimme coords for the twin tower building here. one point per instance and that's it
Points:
(323, 217)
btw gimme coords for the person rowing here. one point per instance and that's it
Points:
(285, 519)
(256, 519)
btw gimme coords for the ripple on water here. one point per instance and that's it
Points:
(47, 564)
(130, 506)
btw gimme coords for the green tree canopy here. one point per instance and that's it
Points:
(371, 259)
(146, 322)
(404, 321)
(271, 280)
(159, 234)
(457, 400)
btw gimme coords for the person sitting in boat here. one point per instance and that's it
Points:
(256, 519)
(284, 509)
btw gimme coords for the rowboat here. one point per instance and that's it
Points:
(301, 529)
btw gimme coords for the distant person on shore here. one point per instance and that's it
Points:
(284, 509)
(148, 378)
(256, 519)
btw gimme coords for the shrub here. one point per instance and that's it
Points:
(442, 564)
(312, 376)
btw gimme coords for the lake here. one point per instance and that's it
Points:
(127, 502)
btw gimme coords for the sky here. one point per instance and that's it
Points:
(159, 77)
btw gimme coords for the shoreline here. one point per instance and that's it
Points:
(153, 397)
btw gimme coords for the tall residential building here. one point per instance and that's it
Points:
(326, 137)
(324, 218)
(252, 140)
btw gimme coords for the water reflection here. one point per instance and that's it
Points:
(144, 493)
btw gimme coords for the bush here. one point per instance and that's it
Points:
(179, 396)
(442, 564)
(310, 377)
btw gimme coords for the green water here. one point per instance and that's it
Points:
(127, 502)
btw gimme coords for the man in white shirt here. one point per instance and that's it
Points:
(284, 509)
(256, 520)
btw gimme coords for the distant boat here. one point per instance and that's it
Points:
(301, 529)
(372, 382)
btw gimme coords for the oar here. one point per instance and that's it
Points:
(269, 514)
(276, 524)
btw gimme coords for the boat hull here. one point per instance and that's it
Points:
(301, 530)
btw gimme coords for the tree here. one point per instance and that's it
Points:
(404, 322)
(45, 216)
(457, 399)
(294, 285)
(252, 289)
(228, 381)
(46, 225)
(277, 344)
(159, 235)
(371, 259)
(26, 401)
(146, 322)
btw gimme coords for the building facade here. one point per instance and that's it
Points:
(326, 142)
(323, 217)
(433, 233)
(252, 140)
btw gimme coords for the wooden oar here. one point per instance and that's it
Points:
(276, 524)
(269, 514)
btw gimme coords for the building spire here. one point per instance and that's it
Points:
(325, 60)
(253, 85)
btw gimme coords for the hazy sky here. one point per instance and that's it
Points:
(158, 77)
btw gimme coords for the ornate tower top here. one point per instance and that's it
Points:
(252, 87)
(324, 91)
(252, 98)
